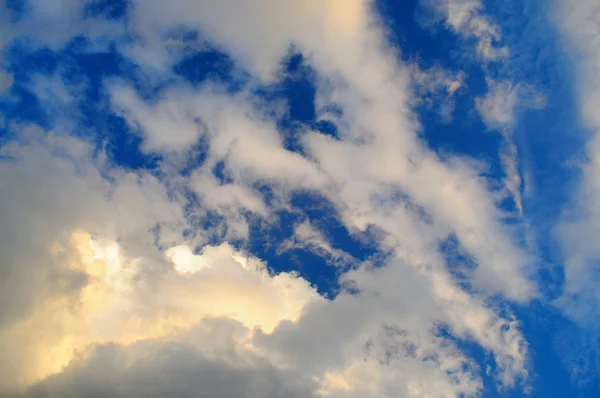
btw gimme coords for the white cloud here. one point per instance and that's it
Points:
(377, 338)
(498, 106)
(52, 187)
(581, 222)
(239, 287)
(128, 295)
(60, 21)
(96, 290)
(166, 126)
(224, 288)
(306, 236)
(386, 334)
(499, 109)
(379, 156)
(467, 19)
(577, 232)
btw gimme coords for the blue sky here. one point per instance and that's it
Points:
(337, 198)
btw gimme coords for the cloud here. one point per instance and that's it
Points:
(466, 18)
(380, 341)
(580, 221)
(137, 273)
(259, 42)
(61, 22)
(39, 267)
(165, 126)
(104, 291)
(437, 87)
(500, 105)
(498, 110)
(306, 236)
(130, 294)
(209, 361)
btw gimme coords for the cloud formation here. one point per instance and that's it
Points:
(132, 296)
(104, 291)
(582, 221)
(466, 18)
(6, 79)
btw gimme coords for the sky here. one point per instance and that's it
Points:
(300, 198)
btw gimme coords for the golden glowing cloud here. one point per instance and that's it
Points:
(346, 16)
(218, 283)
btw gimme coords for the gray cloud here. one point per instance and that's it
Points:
(178, 369)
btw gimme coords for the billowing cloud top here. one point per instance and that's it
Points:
(296, 199)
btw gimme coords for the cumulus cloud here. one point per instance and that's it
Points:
(124, 267)
(130, 294)
(209, 361)
(91, 289)
(40, 271)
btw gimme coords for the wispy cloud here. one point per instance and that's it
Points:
(583, 219)
(467, 18)
(6, 79)
(578, 229)
(500, 108)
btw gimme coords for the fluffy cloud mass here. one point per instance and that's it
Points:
(104, 292)
(125, 279)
